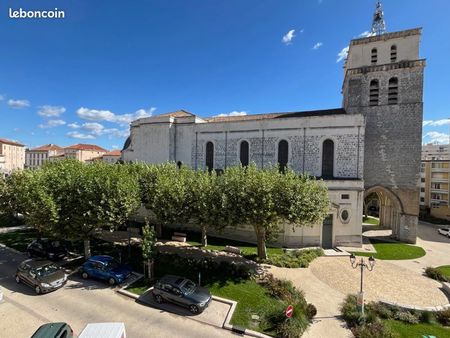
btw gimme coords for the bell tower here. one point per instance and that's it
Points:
(384, 81)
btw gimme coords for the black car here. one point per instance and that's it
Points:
(47, 248)
(182, 291)
(42, 275)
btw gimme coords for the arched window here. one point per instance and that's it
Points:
(393, 53)
(209, 160)
(283, 154)
(374, 56)
(244, 153)
(374, 93)
(328, 159)
(393, 90)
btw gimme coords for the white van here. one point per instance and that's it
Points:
(104, 330)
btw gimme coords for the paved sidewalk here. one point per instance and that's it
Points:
(327, 301)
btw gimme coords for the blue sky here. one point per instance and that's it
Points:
(81, 79)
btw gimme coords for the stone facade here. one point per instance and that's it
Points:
(12, 156)
(393, 130)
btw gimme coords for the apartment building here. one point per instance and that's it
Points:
(80, 152)
(12, 156)
(111, 157)
(36, 157)
(434, 180)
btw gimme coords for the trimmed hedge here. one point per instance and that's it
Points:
(293, 259)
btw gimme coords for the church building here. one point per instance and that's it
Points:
(372, 144)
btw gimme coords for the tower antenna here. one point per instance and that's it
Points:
(378, 24)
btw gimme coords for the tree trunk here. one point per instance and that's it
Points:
(204, 236)
(158, 230)
(150, 268)
(261, 238)
(87, 248)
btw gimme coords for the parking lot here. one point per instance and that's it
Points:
(85, 301)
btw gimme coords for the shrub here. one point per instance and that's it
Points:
(310, 311)
(291, 328)
(288, 327)
(283, 290)
(211, 270)
(294, 259)
(443, 317)
(436, 274)
(350, 311)
(382, 310)
(407, 317)
(373, 330)
(427, 317)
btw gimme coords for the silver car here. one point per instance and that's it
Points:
(444, 231)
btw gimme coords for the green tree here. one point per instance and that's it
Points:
(90, 197)
(164, 191)
(205, 202)
(267, 198)
(148, 246)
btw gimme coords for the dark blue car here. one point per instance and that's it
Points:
(106, 268)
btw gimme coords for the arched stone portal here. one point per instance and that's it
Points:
(392, 214)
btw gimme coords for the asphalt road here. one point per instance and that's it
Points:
(81, 302)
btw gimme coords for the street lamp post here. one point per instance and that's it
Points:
(362, 264)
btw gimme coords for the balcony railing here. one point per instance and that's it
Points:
(439, 170)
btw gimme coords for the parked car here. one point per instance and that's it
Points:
(47, 248)
(182, 291)
(444, 231)
(104, 330)
(41, 274)
(105, 268)
(54, 330)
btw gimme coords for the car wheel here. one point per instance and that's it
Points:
(193, 308)
(17, 279)
(38, 290)
(111, 281)
(85, 275)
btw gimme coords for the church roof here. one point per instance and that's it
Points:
(178, 113)
(324, 112)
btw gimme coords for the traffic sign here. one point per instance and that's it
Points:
(289, 311)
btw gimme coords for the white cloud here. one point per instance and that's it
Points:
(233, 113)
(436, 123)
(366, 34)
(18, 104)
(436, 137)
(74, 125)
(51, 111)
(2, 97)
(106, 115)
(288, 37)
(93, 128)
(342, 55)
(75, 134)
(52, 124)
(317, 45)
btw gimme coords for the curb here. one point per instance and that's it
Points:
(11, 249)
(418, 308)
(128, 293)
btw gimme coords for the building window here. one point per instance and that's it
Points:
(422, 199)
(422, 189)
(328, 159)
(393, 53)
(209, 160)
(283, 154)
(393, 91)
(345, 196)
(422, 180)
(244, 153)
(374, 56)
(374, 92)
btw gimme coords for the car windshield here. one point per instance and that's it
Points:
(188, 286)
(47, 270)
